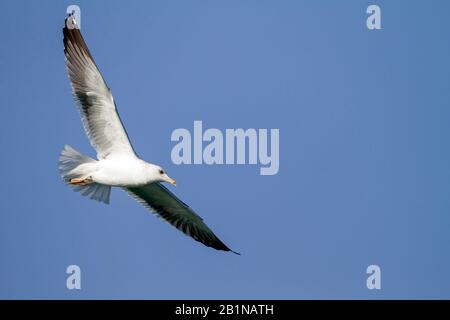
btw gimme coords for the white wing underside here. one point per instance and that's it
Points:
(98, 111)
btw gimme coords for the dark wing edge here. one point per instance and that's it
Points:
(85, 76)
(167, 206)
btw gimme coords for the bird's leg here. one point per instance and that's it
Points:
(81, 181)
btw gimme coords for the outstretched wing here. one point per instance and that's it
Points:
(96, 103)
(165, 204)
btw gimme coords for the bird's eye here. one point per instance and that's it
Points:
(161, 171)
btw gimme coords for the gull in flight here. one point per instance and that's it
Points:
(118, 165)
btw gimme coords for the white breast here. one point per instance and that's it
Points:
(121, 171)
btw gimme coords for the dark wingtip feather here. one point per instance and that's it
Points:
(219, 245)
(73, 35)
(225, 248)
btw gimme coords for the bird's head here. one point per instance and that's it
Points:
(159, 174)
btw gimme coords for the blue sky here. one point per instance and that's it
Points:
(364, 159)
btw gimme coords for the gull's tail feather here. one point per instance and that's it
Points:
(69, 160)
(70, 167)
(95, 191)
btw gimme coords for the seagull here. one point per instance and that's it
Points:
(118, 164)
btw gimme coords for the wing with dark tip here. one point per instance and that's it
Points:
(165, 204)
(98, 110)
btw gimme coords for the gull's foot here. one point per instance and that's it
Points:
(81, 181)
